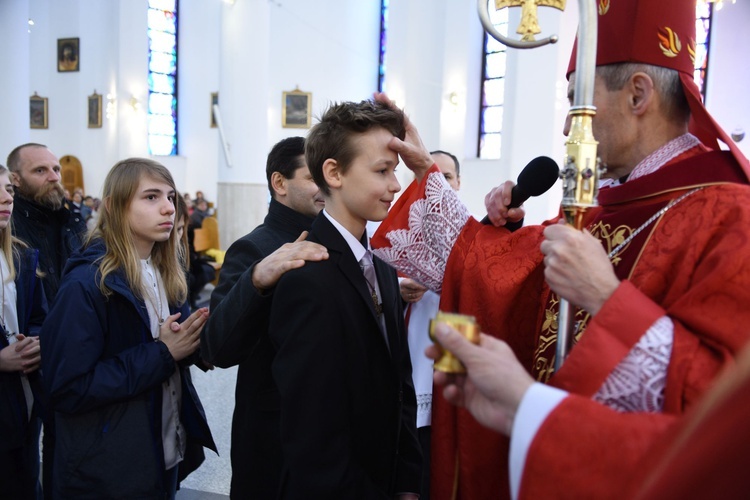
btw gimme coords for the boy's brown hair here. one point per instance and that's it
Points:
(331, 137)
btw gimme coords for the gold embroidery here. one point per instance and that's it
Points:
(544, 355)
(669, 42)
(611, 238)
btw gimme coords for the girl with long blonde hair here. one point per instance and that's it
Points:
(116, 349)
(22, 311)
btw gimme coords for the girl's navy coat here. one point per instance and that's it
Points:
(103, 372)
(31, 307)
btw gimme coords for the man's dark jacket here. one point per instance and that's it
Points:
(237, 334)
(55, 233)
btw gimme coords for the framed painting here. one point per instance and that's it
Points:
(95, 110)
(68, 54)
(214, 100)
(38, 117)
(296, 109)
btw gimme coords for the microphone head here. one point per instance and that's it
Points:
(538, 176)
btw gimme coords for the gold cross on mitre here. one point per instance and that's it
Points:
(529, 22)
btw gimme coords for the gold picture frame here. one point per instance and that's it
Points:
(68, 55)
(95, 110)
(38, 112)
(296, 109)
(214, 100)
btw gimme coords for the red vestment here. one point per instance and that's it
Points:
(692, 264)
(706, 455)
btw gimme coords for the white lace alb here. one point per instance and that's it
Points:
(421, 251)
(637, 384)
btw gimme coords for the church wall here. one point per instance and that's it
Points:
(728, 92)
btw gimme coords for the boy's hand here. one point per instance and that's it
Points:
(22, 356)
(289, 256)
(415, 155)
(182, 339)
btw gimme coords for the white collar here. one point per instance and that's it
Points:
(354, 244)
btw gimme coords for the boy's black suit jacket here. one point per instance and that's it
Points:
(348, 409)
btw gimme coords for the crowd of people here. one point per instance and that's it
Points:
(334, 394)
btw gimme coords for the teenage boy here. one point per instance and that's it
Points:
(342, 366)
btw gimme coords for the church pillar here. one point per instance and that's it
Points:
(243, 100)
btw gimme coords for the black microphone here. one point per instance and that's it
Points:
(535, 179)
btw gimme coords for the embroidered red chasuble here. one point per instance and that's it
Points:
(691, 263)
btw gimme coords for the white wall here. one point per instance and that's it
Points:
(198, 78)
(728, 82)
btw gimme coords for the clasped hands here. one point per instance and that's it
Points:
(23, 356)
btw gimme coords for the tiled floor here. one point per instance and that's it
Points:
(216, 390)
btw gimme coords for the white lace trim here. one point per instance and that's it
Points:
(661, 156)
(657, 159)
(637, 383)
(421, 251)
(424, 410)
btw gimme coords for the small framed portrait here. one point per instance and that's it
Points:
(95, 110)
(296, 109)
(214, 100)
(38, 117)
(68, 55)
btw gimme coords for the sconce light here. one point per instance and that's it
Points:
(135, 104)
(111, 106)
(453, 98)
(738, 134)
(718, 4)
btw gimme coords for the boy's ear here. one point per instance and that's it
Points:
(278, 183)
(332, 173)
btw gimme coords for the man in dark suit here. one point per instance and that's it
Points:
(237, 330)
(348, 410)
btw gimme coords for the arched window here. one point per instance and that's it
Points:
(493, 89)
(703, 13)
(383, 32)
(162, 77)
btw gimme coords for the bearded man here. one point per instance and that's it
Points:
(41, 220)
(40, 217)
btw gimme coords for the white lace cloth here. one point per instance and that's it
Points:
(655, 160)
(637, 384)
(421, 251)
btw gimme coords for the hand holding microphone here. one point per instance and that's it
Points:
(503, 201)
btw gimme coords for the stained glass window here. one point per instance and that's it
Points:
(162, 77)
(493, 89)
(383, 31)
(703, 13)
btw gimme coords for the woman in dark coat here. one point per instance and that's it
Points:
(22, 311)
